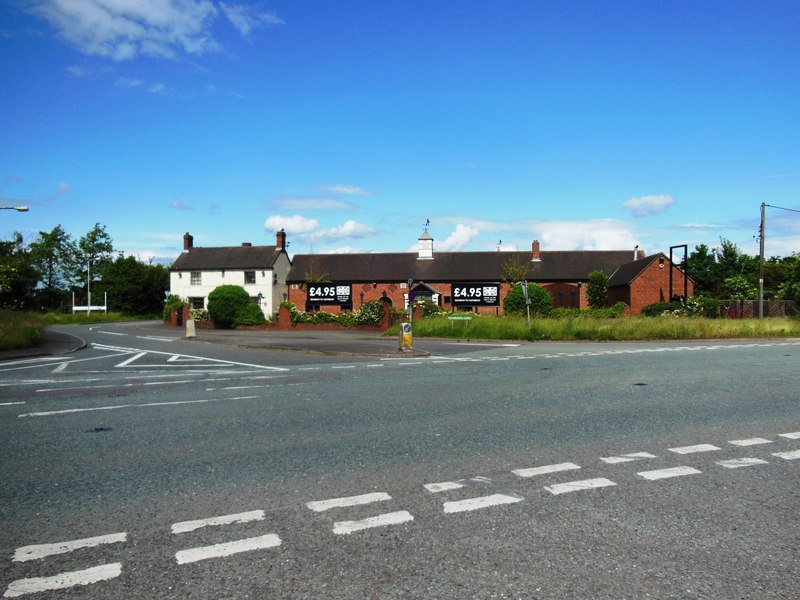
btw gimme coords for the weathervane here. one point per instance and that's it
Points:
(499, 243)
(427, 224)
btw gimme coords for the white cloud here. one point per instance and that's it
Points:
(347, 190)
(308, 203)
(459, 238)
(645, 206)
(595, 234)
(296, 224)
(179, 204)
(127, 82)
(125, 29)
(246, 18)
(348, 230)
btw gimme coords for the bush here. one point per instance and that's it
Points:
(199, 314)
(225, 303)
(597, 289)
(251, 314)
(541, 301)
(173, 302)
(611, 312)
(659, 308)
(370, 313)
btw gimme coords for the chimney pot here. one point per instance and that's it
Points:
(188, 242)
(280, 239)
(535, 251)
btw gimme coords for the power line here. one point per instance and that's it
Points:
(782, 208)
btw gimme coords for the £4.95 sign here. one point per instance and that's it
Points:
(476, 294)
(329, 293)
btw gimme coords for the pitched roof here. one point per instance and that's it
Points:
(229, 257)
(629, 271)
(453, 266)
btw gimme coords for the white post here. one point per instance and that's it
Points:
(89, 288)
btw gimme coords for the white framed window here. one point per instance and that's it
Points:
(196, 278)
(249, 277)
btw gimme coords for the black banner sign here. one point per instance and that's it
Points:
(476, 294)
(329, 293)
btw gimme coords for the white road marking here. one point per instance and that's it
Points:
(613, 460)
(344, 367)
(245, 517)
(68, 411)
(111, 333)
(323, 505)
(60, 367)
(545, 469)
(481, 344)
(576, 486)
(409, 364)
(228, 548)
(694, 449)
(482, 502)
(10, 403)
(750, 442)
(155, 338)
(793, 455)
(395, 518)
(62, 581)
(37, 551)
(736, 463)
(202, 358)
(435, 488)
(667, 473)
(795, 435)
(133, 358)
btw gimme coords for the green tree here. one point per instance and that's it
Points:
(515, 270)
(92, 251)
(739, 288)
(53, 255)
(18, 277)
(541, 301)
(133, 287)
(597, 289)
(704, 271)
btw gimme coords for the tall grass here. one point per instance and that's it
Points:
(20, 330)
(594, 329)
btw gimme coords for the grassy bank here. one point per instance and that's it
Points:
(626, 328)
(25, 330)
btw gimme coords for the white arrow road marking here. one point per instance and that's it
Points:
(395, 518)
(795, 435)
(736, 463)
(228, 548)
(545, 470)
(245, 517)
(62, 581)
(187, 356)
(576, 486)
(323, 505)
(38, 551)
(694, 449)
(613, 460)
(667, 473)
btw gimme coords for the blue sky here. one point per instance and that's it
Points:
(585, 125)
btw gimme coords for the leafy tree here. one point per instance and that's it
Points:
(703, 270)
(541, 301)
(739, 288)
(92, 251)
(597, 289)
(18, 277)
(515, 270)
(53, 254)
(134, 287)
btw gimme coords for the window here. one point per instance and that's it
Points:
(196, 278)
(197, 303)
(249, 277)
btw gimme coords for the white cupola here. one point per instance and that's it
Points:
(425, 246)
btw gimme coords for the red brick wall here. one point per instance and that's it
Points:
(652, 286)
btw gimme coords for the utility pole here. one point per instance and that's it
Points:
(762, 232)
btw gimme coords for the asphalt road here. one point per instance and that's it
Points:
(148, 466)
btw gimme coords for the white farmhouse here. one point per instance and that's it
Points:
(260, 270)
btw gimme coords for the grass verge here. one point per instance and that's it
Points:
(593, 329)
(20, 330)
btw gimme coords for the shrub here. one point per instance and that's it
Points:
(225, 303)
(199, 314)
(541, 301)
(597, 289)
(659, 308)
(250, 314)
(173, 302)
(370, 313)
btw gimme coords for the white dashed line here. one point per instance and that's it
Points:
(38, 551)
(227, 549)
(395, 518)
(323, 505)
(613, 460)
(478, 503)
(793, 455)
(667, 473)
(245, 517)
(62, 581)
(694, 449)
(736, 463)
(545, 469)
(795, 435)
(750, 442)
(435, 488)
(576, 486)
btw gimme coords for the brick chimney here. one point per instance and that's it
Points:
(280, 239)
(535, 252)
(188, 242)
